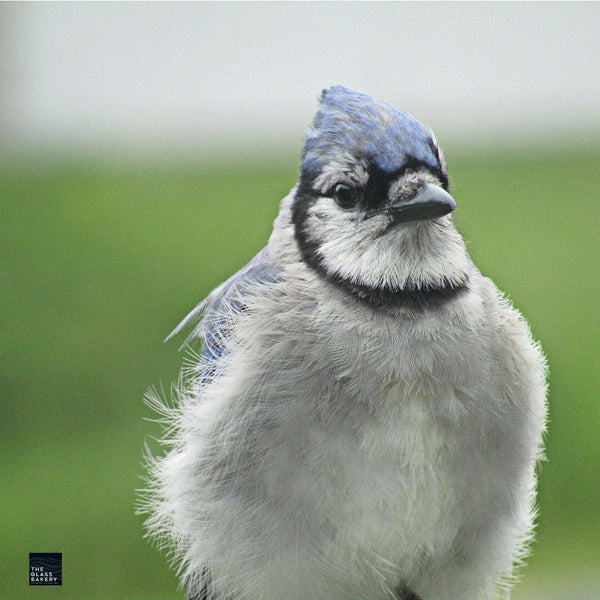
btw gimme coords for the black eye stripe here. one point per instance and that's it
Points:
(379, 181)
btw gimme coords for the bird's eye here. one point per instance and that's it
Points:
(345, 196)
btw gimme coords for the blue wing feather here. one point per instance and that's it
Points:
(212, 317)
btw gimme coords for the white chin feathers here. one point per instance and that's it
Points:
(366, 251)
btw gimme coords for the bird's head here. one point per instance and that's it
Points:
(371, 208)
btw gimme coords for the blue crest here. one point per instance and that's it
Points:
(352, 124)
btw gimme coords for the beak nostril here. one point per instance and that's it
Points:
(429, 202)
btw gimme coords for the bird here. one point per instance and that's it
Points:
(362, 412)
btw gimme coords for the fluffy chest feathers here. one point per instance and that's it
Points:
(376, 395)
(366, 447)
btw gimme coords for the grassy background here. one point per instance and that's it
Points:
(99, 263)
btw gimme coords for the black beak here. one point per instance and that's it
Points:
(430, 202)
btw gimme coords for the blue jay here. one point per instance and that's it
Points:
(363, 414)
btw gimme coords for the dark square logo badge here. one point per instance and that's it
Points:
(45, 568)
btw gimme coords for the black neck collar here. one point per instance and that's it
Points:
(414, 298)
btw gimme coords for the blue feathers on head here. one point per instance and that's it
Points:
(354, 124)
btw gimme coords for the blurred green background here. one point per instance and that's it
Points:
(99, 263)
